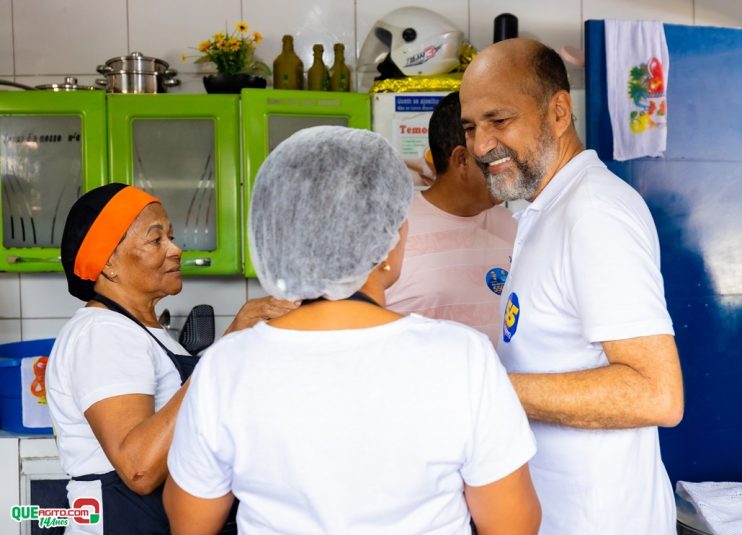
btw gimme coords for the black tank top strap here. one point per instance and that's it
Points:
(357, 296)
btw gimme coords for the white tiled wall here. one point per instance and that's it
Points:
(41, 41)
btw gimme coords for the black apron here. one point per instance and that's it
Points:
(124, 511)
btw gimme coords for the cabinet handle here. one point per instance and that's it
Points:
(12, 259)
(200, 262)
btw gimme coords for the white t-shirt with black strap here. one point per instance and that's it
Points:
(353, 431)
(100, 354)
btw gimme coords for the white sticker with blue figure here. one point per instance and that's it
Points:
(495, 279)
(510, 321)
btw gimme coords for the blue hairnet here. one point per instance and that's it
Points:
(326, 209)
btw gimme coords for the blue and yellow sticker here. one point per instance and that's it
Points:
(510, 321)
(495, 279)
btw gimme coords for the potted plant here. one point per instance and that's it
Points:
(234, 57)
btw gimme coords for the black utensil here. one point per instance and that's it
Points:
(198, 331)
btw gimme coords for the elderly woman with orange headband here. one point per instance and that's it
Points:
(115, 379)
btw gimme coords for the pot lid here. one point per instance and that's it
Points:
(69, 84)
(139, 57)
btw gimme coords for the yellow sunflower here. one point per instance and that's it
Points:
(257, 36)
(241, 27)
(203, 46)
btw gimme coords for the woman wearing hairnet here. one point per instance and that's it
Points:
(115, 378)
(343, 417)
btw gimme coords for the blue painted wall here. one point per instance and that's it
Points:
(695, 195)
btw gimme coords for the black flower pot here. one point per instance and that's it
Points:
(232, 83)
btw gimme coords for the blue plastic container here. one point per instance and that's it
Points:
(11, 412)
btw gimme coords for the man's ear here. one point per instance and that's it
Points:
(459, 156)
(560, 109)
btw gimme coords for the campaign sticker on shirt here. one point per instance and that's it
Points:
(495, 279)
(510, 321)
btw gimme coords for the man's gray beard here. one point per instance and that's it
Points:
(529, 172)
(523, 186)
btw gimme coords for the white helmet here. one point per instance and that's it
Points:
(410, 41)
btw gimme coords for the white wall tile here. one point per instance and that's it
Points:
(555, 24)
(35, 329)
(45, 295)
(6, 38)
(225, 294)
(166, 29)
(189, 83)
(254, 289)
(10, 331)
(10, 295)
(672, 11)
(220, 325)
(67, 37)
(718, 13)
(319, 21)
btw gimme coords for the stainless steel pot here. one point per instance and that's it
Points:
(137, 62)
(136, 82)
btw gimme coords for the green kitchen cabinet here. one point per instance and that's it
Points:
(185, 150)
(271, 115)
(52, 149)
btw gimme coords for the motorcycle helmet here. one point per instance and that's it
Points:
(409, 41)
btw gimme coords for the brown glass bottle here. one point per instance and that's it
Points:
(339, 72)
(318, 77)
(288, 69)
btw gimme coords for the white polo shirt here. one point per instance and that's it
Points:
(586, 269)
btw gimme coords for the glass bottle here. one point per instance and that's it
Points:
(318, 77)
(339, 73)
(288, 69)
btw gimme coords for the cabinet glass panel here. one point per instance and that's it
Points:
(271, 115)
(41, 175)
(185, 150)
(174, 161)
(52, 149)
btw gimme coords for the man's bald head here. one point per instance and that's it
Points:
(539, 68)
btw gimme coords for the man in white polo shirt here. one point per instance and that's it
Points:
(586, 335)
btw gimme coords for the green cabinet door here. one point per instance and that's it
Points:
(271, 115)
(52, 149)
(185, 150)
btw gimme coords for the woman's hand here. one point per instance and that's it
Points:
(263, 308)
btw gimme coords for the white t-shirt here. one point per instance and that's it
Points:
(586, 269)
(100, 354)
(357, 431)
(454, 267)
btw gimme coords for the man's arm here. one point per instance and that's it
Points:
(189, 515)
(642, 386)
(509, 506)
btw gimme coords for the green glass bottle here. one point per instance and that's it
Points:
(339, 73)
(318, 77)
(288, 69)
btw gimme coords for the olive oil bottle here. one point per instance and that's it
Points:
(288, 69)
(339, 72)
(318, 77)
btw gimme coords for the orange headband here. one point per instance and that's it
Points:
(107, 230)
